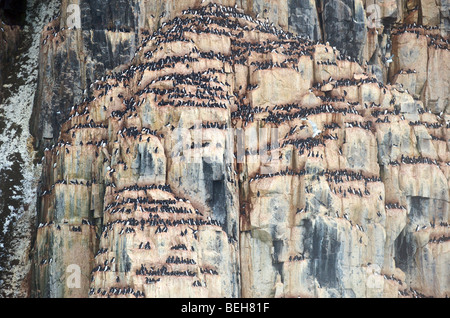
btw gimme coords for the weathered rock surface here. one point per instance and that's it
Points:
(9, 39)
(71, 60)
(161, 184)
(344, 25)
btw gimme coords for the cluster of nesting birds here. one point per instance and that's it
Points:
(208, 271)
(339, 176)
(392, 277)
(352, 82)
(75, 229)
(179, 247)
(270, 64)
(163, 271)
(395, 206)
(46, 261)
(433, 137)
(304, 112)
(41, 225)
(90, 124)
(179, 260)
(116, 291)
(418, 160)
(327, 62)
(331, 126)
(134, 132)
(414, 160)
(101, 250)
(222, 16)
(191, 103)
(210, 125)
(135, 187)
(206, 92)
(407, 71)
(242, 50)
(349, 191)
(304, 144)
(286, 172)
(357, 124)
(435, 40)
(384, 112)
(294, 258)
(210, 88)
(440, 239)
(426, 124)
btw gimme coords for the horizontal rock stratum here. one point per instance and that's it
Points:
(233, 159)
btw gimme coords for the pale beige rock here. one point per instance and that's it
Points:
(436, 90)
(410, 53)
(430, 12)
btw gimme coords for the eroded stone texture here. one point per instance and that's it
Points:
(111, 30)
(9, 40)
(151, 192)
(416, 64)
(344, 25)
(304, 19)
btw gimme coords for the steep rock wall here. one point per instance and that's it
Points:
(110, 32)
(350, 200)
(9, 39)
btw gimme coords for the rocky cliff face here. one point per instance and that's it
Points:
(18, 173)
(9, 37)
(198, 150)
(71, 60)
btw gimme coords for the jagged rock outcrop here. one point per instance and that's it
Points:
(108, 37)
(161, 183)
